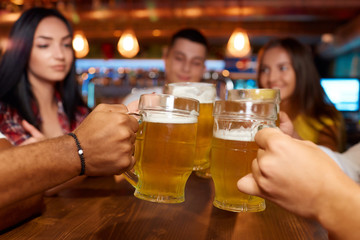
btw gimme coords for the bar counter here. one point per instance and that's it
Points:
(105, 208)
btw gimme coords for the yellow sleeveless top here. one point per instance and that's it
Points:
(307, 131)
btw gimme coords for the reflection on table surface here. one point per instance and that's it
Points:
(105, 208)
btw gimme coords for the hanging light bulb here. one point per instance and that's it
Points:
(239, 44)
(128, 45)
(80, 45)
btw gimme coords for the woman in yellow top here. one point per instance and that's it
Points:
(288, 65)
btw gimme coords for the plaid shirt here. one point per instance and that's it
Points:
(10, 121)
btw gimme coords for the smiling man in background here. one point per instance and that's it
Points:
(184, 61)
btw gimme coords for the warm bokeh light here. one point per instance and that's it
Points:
(327, 38)
(240, 65)
(192, 12)
(239, 44)
(238, 11)
(128, 45)
(140, 13)
(80, 45)
(101, 14)
(18, 2)
(156, 32)
(91, 70)
(84, 76)
(225, 73)
(9, 17)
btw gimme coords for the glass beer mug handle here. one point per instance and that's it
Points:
(131, 177)
(136, 115)
(258, 126)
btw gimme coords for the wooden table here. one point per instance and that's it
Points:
(105, 208)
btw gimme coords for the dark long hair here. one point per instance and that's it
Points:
(15, 88)
(308, 97)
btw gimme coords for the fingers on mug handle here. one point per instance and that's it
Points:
(137, 116)
(255, 128)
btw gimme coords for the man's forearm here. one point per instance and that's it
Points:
(340, 213)
(20, 211)
(31, 169)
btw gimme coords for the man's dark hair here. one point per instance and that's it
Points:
(190, 34)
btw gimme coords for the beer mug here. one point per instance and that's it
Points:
(205, 93)
(233, 149)
(164, 147)
(263, 94)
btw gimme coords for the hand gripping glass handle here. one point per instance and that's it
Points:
(258, 126)
(130, 175)
(136, 115)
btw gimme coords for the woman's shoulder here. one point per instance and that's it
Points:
(304, 119)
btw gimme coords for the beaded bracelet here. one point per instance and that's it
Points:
(80, 153)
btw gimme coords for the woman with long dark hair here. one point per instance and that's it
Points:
(288, 65)
(37, 78)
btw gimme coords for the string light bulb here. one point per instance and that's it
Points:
(80, 45)
(128, 45)
(239, 44)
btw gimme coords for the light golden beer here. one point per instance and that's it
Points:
(233, 148)
(205, 93)
(204, 136)
(231, 159)
(164, 150)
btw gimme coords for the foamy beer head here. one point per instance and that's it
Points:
(203, 92)
(173, 118)
(240, 134)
